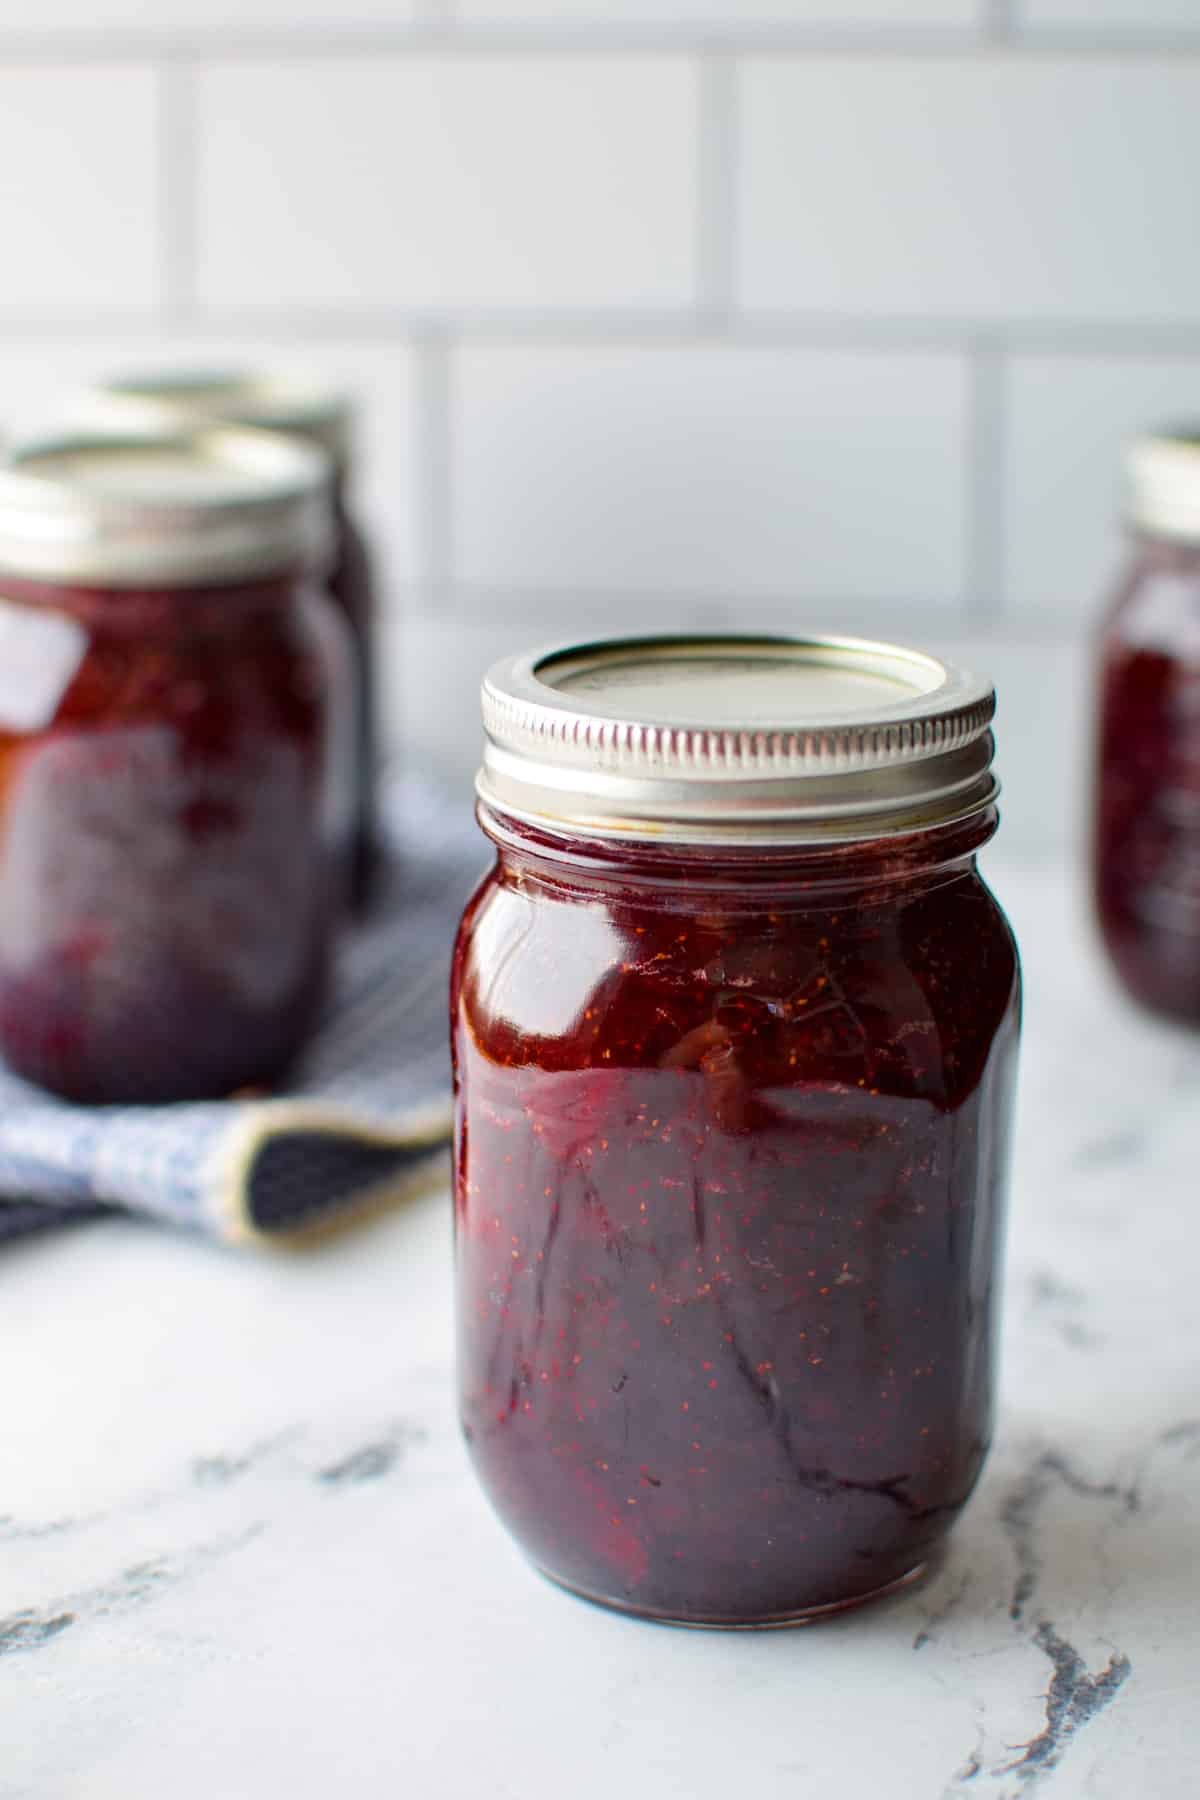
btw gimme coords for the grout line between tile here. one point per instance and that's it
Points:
(177, 188)
(433, 451)
(1138, 340)
(477, 603)
(716, 189)
(483, 608)
(1000, 21)
(435, 30)
(985, 462)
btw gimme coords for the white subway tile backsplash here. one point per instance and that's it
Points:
(1097, 16)
(892, 15)
(1070, 418)
(981, 188)
(91, 18)
(436, 181)
(78, 187)
(40, 384)
(740, 475)
(517, 248)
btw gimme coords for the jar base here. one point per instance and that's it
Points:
(782, 1621)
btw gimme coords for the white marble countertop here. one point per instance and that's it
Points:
(242, 1556)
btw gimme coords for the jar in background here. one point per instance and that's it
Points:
(735, 1025)
(174, 722)
(181, 401)
(1146, 838)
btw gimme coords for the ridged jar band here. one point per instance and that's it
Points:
(807, 740)
(212, 507)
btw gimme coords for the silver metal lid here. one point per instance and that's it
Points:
(175, 400)
(736, 739)
(1163, 472)
(217, 506)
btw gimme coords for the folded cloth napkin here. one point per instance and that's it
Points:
(367, 1113)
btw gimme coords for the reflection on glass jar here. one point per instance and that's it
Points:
(183, 400)
(173, 784)
(1146, 846)
(732, 1113)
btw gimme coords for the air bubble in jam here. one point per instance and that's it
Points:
(731, 1148)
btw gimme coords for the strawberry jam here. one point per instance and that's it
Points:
(173, 837)
(1146, 847)
(732, 1128)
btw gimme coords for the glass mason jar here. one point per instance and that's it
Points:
(183, 400)
(1146, 832)
(735, 1025)
(174, 710)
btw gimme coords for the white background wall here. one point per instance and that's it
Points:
(797, 313)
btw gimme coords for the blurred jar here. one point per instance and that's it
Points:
(174, 750)
(181, 401)
(1146, 844)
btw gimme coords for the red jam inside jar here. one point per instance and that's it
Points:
(732, 1131)
(1146, 843)
(174, 401)
(172, 840)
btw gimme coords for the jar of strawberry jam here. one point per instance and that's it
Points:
(184, 400)
(174, 763)
(1146, 841)
(735, 1024)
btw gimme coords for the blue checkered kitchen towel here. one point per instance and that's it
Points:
(370, 1109)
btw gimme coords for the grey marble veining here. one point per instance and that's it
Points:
(241, 1554)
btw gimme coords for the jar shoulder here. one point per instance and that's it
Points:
(906, 990)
